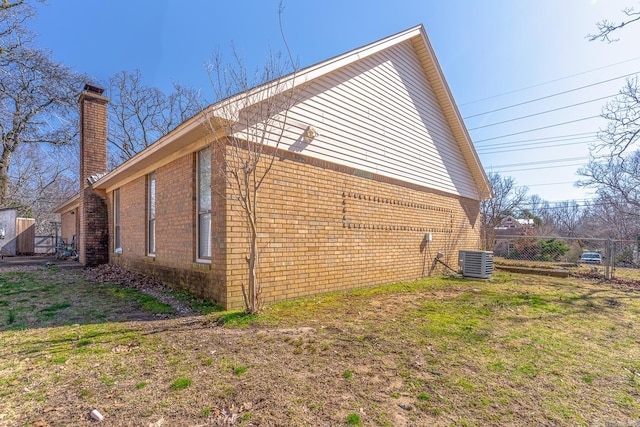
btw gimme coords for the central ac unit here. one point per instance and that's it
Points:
(477, 264)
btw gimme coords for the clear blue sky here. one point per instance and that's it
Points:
(485, 48)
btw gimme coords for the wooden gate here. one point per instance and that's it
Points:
(25, 236)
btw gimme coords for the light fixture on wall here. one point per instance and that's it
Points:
(310, 133)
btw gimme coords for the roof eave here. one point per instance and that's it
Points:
(68, 205)
(448, 104)
(197, 126)
(454, 118)
(187, 137)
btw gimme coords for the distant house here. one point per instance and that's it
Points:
(509, 228)
(390, 179)
(515, 225)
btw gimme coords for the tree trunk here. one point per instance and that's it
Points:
(5, 159)
(253, 276)
(253, 288)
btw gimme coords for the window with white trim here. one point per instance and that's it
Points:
(151, 214)
(204, 204)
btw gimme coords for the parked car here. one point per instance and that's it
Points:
(591, 258)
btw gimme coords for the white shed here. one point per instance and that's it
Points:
(17, 235)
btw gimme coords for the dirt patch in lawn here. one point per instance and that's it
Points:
(181, 303)
(516, 350)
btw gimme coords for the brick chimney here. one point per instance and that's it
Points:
(93, 241)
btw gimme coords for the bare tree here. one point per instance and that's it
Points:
(623, 114)
(617, 182)
(616, 179)
(541, 214)
(611, 218)
(141, 114)
(37, 104)
(606, 27)
(568, 219)
(13, 15)
(615, 213)
(249, 125)
(37, 95)
(41, 177)
(507, 198)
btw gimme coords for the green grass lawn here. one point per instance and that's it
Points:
(513, 350)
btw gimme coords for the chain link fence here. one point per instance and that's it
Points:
(610, 258)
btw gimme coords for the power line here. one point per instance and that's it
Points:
(542, 112)
(561, 204)
(568, 141)
(527, 147)
(550, 183)
(548, 82)
(539, 168)
(528, 144)
(536, 129)
(556, 204)
(542, 162)
(548, 139)
(550, 96)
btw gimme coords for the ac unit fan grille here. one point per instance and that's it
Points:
(477, 264)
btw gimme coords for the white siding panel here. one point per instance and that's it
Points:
(381, 115)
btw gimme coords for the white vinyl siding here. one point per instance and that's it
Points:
(380, 114)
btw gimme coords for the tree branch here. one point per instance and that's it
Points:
(606, 28)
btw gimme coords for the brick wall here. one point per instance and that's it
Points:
(94, 228)
(69, 225)
(133, 217)
(93, 238)
(219, 194)
(175, 219)
(175, 258)
(323, 227)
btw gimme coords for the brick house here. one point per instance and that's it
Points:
(375, 174)
(511, 228)
(515, 225)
